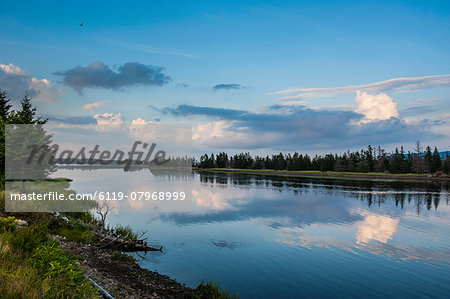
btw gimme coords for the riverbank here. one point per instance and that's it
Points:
(121, 276)
(330, 174)
(42, 255)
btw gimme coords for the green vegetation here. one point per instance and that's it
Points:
(76, 232)
(32, 262)
(212, 290)
(127, 232)
(26, 114)
(7, 224)
(381, 174)
(34, 266)
(368, 160)
(322, 174)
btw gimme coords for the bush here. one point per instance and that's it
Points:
(29, 238)
(61, 272)
(7, 224)
(33, 266)
(212, 290)
(127, 232)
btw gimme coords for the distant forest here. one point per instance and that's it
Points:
(366, 160)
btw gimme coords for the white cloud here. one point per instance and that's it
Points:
(392, 85)
(221, 133)
(17, 82)
(140, 121)
(108, 119)
(13, 69)
(141, 129)
(289, 128)
(375, 107)
(93, 106)
(376, 227)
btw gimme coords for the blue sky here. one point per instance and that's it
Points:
(227, 68)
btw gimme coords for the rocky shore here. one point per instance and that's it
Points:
(122, 277)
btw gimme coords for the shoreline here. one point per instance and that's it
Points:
(121, 276)
(328, 175)
(28, 241)
(112, 273)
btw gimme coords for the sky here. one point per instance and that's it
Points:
(257, 76)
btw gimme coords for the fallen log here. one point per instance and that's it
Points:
(123, 244)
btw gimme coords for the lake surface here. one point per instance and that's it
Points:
(269, 237)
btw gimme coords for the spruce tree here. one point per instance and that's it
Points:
(5, 107)
(429, 160)
(5, 111)
(437, 163)
(27, 113)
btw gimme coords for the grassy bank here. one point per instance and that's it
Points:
(35, 261)
(328, 174)
(34, 266)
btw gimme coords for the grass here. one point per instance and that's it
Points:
(317, 173)
(212, 290)
(57, 180)
(34, 266)
(126, 232)
(2, 201)
(76, 233)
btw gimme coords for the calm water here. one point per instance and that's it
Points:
(268, 237)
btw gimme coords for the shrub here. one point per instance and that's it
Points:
(7, 224)
(29, 238)
(212, 290)
(61, 272)
(127, 232)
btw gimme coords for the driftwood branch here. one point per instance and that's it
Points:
(121, 242)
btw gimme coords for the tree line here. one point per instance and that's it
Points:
(365, 160)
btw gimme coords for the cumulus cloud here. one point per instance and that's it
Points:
(392, 85)
(99, 75)
(375, 107)
(376, 227)
(17, 82)
(93, 106)
(294, 127)
(227, 86)
(140, 121)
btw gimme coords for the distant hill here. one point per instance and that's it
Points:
(443, 155)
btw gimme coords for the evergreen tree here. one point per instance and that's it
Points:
(22, 138)
(27, 113)
(370, 159)
(446, 164)
(5, 110)
(429, 163)
(437, 163)
(396, 164)
(5, 107)
(418, 162)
